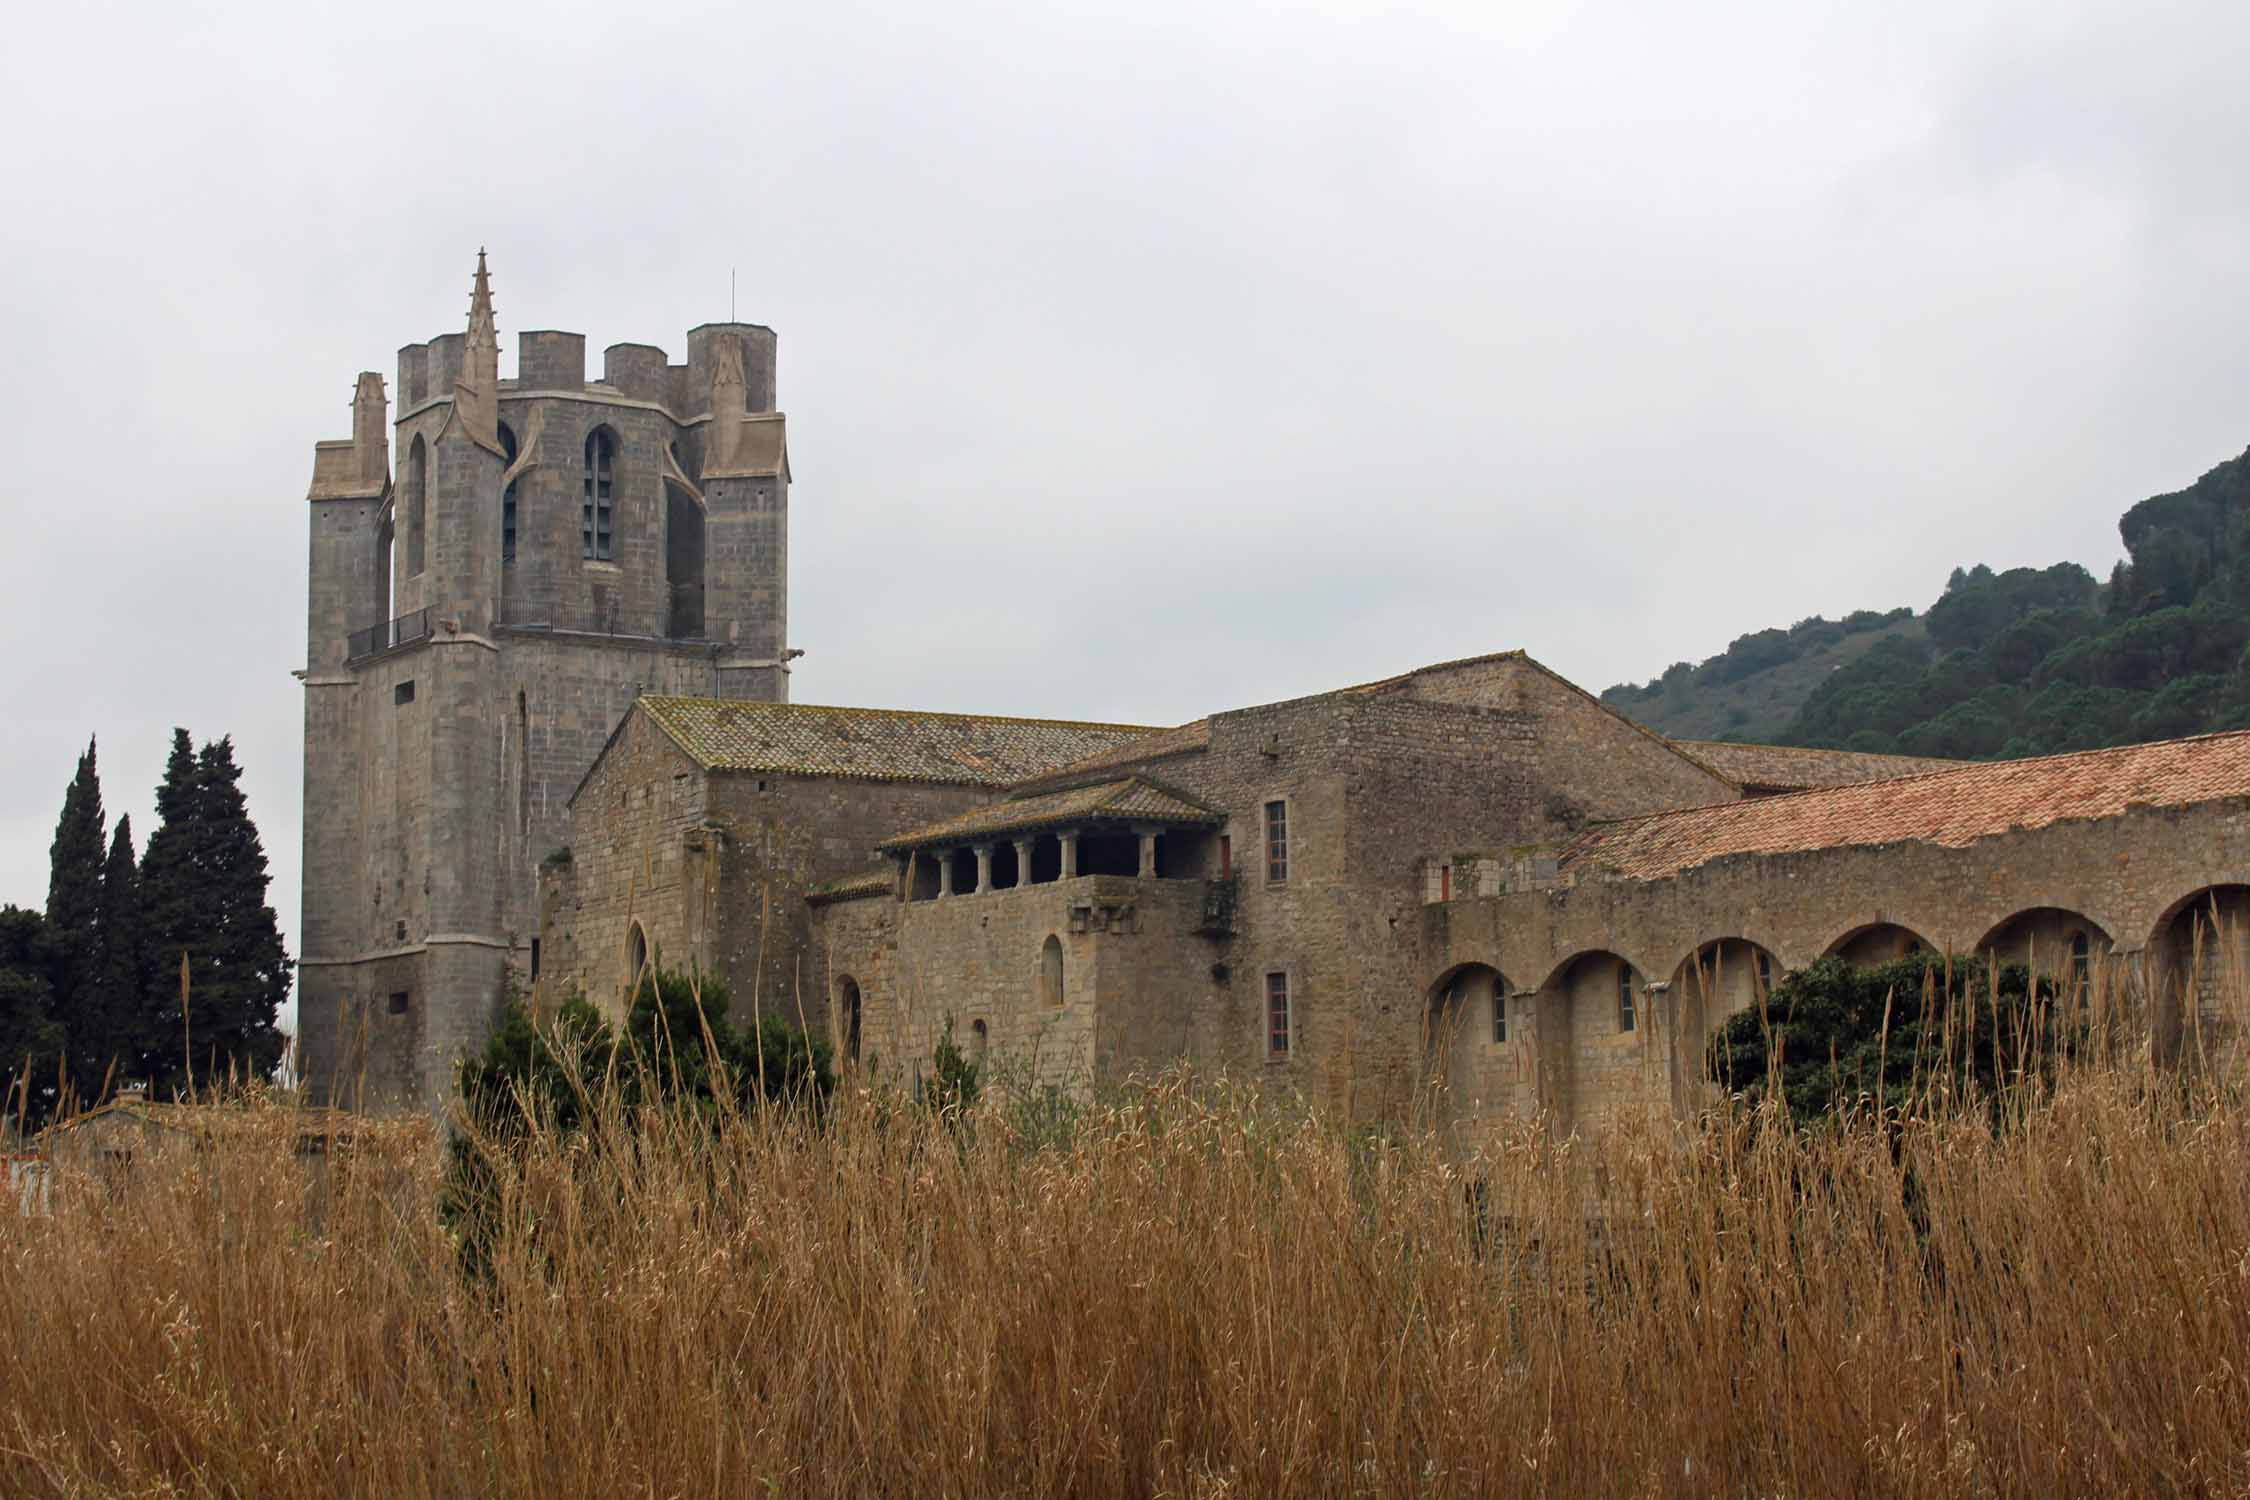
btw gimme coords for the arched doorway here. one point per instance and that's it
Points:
(2199, 975)
(1877, 943)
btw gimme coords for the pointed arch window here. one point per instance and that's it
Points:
(508, 496)
(596, 530)
(417, 505)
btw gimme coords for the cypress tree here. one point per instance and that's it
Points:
(29, 1037)
(203, 893)
(170, 915)
(106, 1044)
(74, 887)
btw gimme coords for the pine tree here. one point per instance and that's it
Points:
(203, 893)
(74, 886)
(106, 1045)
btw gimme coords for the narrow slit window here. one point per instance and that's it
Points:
(1277, 841)
(1626, 1019)
(508, 496)
(1277, 1015)
(596, 527)
(1499, 1012)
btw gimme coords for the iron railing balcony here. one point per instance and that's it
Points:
(410, 627)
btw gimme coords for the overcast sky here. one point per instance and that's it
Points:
(1139, 361)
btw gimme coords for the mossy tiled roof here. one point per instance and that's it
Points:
(1793, 766)
(1157, 744)
(878, 744)
(1129, 801)
(1951, 809)
(853, 887)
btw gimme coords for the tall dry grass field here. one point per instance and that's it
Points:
(1184, 1292)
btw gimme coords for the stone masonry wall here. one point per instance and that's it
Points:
(2128, 879)
(783, 836)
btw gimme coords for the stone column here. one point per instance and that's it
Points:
(984, 868)
(1023, 861)
(1070, 855)
(1148, 852)
(944, 858)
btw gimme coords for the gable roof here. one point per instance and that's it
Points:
(877, 744)
(1951, 809)
(1795, 768)
(1130, 800)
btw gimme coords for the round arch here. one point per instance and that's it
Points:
(1876, 943)
(2198, 966)
(2053, 941)
(1466, 1011)
(1594, 1030)
(1719, 980)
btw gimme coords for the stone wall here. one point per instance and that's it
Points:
(2126, 882)
(1131, 960)
(782, 837)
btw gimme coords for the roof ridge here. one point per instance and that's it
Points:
(1820, 750)
(900, 713)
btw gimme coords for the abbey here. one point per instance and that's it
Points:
(548, 549)
(548, 741)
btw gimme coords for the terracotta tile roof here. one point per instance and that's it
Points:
(879, 744)
(1952, 809)
(1156, 745)
(1791, 767)
(1129, 801)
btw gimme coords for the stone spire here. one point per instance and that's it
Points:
(476, 394)
(730, 403)
(371, 434)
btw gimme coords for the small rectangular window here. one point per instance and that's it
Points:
(1277, 841)
(535, 958)
(1625, 1016)
(399, 1001)
(1499, 1014)
(1226, 856)
(403, 694)
(1277, 1015)
(1445, 882)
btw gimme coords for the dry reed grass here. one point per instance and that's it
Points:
(1187, 1291)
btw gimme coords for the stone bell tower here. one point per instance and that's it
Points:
(477, 622)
